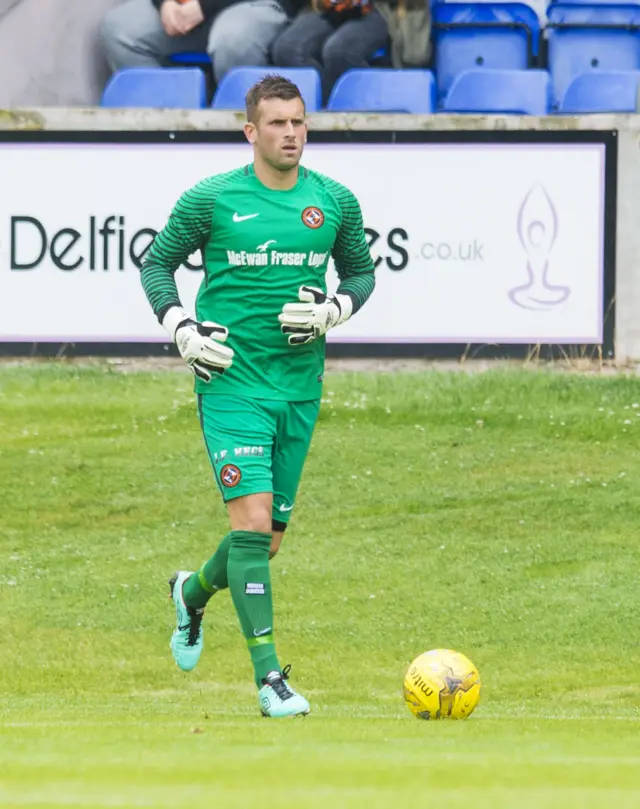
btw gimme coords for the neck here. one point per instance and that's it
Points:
(274, 178)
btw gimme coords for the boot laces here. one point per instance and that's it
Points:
(279, 684)
(195, 625)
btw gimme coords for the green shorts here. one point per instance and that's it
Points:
(258, 445)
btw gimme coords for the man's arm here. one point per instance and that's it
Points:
(315, 313)
(187, 230)
(351, 253)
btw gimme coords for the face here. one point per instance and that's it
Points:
(279, 132)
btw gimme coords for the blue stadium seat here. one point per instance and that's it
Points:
(168, 87)
(593, 2)
(234, 84)
(382, 57)
(602, 91)
(190, 58)
(482, 35)
(383, 90)
(517, 92)
(485, 15)
(583, 38)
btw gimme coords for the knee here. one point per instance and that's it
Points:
(335, 56)
(112, 29)
(258, 523)
(256, 520)
(236, 49)
(231, 53)
(286, 51)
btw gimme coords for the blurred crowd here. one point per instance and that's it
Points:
(331, 36)
(484, 56)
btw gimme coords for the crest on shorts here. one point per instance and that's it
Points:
(313, 217)
(230, 475)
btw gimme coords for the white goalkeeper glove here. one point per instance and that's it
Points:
(312, 318)
(200, 344)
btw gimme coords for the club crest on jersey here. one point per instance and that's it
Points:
(230, 475)
(313, 217)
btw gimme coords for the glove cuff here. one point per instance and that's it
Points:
(174, 318)
(346, 308)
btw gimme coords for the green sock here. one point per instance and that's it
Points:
(212, 576)
(250, 585)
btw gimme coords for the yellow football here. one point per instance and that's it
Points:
(442, 684)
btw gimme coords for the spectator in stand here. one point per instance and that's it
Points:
(145, 33)
(333, 37)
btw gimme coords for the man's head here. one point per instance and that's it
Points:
(276, 125)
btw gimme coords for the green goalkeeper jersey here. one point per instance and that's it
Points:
(259, 246)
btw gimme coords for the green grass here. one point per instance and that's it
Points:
(495, 513)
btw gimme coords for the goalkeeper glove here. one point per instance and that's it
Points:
(312, 318)
(200, 344)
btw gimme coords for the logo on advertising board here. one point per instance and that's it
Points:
(537, 224)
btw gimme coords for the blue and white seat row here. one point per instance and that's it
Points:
(482, 90)
(488, 57)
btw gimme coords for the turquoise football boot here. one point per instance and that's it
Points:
(187, 640)
(278, 699)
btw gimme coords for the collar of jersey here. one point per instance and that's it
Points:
(251, 173)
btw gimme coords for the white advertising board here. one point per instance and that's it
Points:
(474, 242)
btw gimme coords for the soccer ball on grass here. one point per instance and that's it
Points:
(442, 684)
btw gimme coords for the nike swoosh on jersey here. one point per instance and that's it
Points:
(238, 218)
(259, 632)
(285, 508)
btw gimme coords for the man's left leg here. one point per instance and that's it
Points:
(352, 45)
(294, 431)
(242, 34)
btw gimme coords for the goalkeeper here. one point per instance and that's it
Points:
(256, 346)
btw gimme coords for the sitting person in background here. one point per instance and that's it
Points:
(335, 36)
(145, 33)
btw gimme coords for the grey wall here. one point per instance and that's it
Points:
(5, 5)
(48, 54)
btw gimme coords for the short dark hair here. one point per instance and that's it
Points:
(271, 86)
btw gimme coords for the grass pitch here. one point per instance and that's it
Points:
(494, 513)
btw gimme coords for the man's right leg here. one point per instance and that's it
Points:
(132, 36)
(300, 45)
(191, 592)
(238, 436)
(242, 34)
(352, 45)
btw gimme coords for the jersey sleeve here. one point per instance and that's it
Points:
(186, 231)
(351, 254)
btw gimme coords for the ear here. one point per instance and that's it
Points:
(250, 132)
